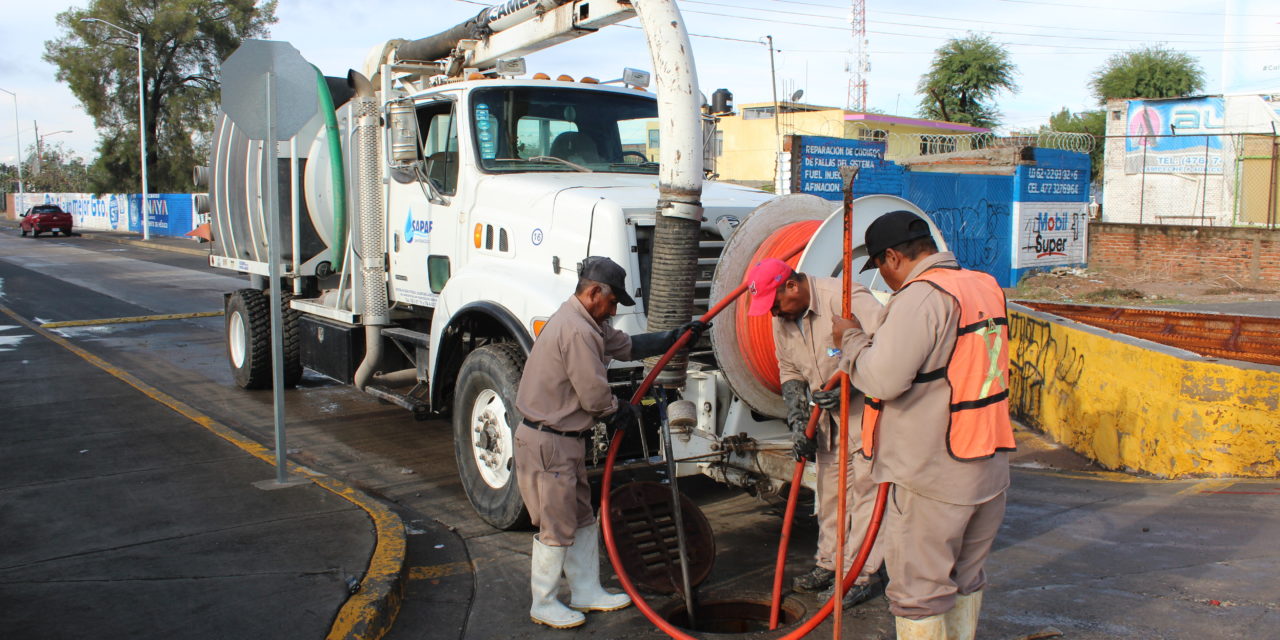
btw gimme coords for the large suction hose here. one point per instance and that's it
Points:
(610, 541)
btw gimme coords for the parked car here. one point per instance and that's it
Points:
(45, 217)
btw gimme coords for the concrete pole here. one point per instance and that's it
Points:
(17, 131)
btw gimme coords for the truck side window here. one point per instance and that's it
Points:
(439, 130)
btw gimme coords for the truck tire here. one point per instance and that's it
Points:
(249, 340)
(484, 424)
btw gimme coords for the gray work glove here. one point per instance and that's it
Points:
(795, 395)
(647, 345)
(623, 418)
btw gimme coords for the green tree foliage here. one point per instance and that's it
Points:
(1149, 72)
(184, 43)
(964, 79)
(1093, 123)
(56, 170)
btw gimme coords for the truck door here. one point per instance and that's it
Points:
(422, 212)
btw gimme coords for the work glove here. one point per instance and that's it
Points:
(623, 418)
(795, 395)
(647, 345)
(827, 400)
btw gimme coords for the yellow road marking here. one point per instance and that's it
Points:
(368, 614)
(434, 571)
(99, 321)
(1211, 484)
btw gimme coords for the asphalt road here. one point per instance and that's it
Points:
(1095, 555)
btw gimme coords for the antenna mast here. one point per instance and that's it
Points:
(860, 65)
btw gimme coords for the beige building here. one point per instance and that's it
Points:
(747, 144)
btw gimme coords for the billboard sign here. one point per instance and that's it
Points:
(1050, 234)
(1175, 136)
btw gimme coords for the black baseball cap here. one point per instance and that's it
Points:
(605, 271)
(891, 230)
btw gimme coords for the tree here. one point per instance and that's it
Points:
(1149, 72)
(964, 78)
(184, 43)
(58, 171)
(1093, 123)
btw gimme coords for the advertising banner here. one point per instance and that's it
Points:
(171, 213)
(1050, 234)
(1174, 136)
(818, 161)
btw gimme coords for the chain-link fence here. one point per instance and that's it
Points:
(1192, 179)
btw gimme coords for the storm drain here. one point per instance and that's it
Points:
(732, 615)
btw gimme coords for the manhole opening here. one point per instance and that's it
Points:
(732, 615)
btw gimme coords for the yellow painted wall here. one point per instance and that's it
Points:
(750, 145)
(1141, 409)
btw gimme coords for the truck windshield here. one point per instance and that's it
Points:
(561, 129)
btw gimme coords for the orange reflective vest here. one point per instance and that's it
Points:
(977, 373)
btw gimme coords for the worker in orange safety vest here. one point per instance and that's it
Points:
(936, 424)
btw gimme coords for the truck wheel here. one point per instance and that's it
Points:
(484, 423)
(249, 340)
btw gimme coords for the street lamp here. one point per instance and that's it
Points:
(21, 192)
(40, 146)
(142, 123)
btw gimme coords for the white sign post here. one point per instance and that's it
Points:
(269, 92)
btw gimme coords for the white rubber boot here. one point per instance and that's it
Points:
(582, 568)
(930, 628)
(962, 619)
(544, 581)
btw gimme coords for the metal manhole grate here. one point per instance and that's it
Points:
(644, 531)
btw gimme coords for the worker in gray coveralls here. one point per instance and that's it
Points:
(563, 393)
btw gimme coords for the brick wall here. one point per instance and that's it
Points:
(1245, 254)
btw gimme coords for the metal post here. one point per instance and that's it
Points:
(1271, 188)
(272, 209)
(1142, 195)
(142, 134)
(777, 129)
(678, 514)
(17, 132)
(293, 211)
(142, 124)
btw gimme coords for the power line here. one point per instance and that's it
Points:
(994, 32)
(1023, 24)
(1115, 8)
(1260, 46)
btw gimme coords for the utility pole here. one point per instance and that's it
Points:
(777, 130)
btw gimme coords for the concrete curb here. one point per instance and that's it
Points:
(368, 614)
(141, 243)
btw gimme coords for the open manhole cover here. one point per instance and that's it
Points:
(739, 614)
(644, 530)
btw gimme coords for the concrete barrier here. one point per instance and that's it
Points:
(1135, 405)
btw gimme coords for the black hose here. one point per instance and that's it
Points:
(672, 279)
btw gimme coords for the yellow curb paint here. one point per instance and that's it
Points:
(369, 613)
(1133, 406)
(1212, 484)
(434, 571)
(100, 321)
(147, 244)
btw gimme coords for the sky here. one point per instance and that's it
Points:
(1055, 44)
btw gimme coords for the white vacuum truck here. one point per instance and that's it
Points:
(440, 203)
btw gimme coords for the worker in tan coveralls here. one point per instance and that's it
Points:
(936, 423)
(802, 309)
(563, 392)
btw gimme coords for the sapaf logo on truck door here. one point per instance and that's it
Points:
(415, 228)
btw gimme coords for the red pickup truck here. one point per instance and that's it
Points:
(45, 217)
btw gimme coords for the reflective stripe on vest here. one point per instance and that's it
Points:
(977, 373)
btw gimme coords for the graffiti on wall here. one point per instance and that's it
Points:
(1042, 361)
(975, 233)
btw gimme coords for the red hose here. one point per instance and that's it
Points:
(610, 542)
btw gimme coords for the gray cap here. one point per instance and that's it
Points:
(603, 270)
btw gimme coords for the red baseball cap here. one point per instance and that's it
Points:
(765, 278)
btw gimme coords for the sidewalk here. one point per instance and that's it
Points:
(129, 514)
